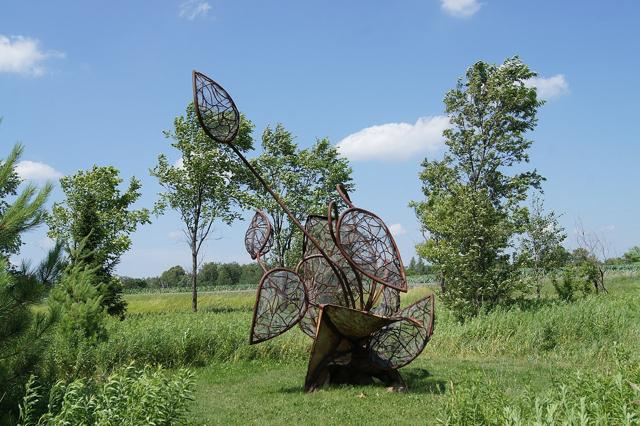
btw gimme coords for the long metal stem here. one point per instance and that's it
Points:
(284, 207)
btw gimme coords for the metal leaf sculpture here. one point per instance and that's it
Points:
(259, 236)
(344, 293)
(279, 306)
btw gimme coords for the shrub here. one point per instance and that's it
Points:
(82, 322)
(129, 396)
(572, 283)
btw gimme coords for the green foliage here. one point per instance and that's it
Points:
(229, 273)
(204, 186)
(98, 216)
(472, 209)
(208, 273)
(211, 274)
(129, 396)
(132, 284)
(82, 325)
(96, 211)
(175, 276)
(9, 181)
(418, 267)
(571, 284)
(306, 180)
(251, 274)
(22, 332)
(541, 247)
(632, 255)
(579, 398)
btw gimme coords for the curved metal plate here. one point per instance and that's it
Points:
(259, 237)
(280, 304)
(366, 241)
(397, 344)
(216, 111)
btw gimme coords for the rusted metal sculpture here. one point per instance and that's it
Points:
(344, 293)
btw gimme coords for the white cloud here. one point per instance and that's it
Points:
(397, 229)
(32, 170)
(179, 163)
(395, 141)
(22, 55)
(460, 8)
(549, 87)
(191, 9)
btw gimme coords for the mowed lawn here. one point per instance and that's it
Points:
(505, 357)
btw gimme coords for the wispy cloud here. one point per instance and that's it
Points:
(550, 87)
(22, 55)
(395, 141)
(191, 9)
(33, 170)
(397, 229)
(460, 8)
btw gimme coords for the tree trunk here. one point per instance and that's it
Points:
(602, 272)
(194, 279)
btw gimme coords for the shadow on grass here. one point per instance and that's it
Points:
(419, 381)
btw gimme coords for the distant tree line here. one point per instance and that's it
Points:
(210, 274)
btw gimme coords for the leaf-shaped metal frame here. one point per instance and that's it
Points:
(390, 256)
(259, 236)
(215, 109)
(287, 292)
(397, 344)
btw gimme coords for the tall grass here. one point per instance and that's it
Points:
(604, 328)
(186, 339)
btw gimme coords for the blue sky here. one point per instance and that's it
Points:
(85, 83)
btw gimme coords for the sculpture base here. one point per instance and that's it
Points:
(340, 354)
(357, 376)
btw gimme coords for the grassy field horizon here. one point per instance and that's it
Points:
(547, 360)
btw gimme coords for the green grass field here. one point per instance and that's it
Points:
(548, 362)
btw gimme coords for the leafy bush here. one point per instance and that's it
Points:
(571, 283)
(129, 396)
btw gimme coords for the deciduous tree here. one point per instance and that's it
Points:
(541, 244)
(473, 195)
(203, 186)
